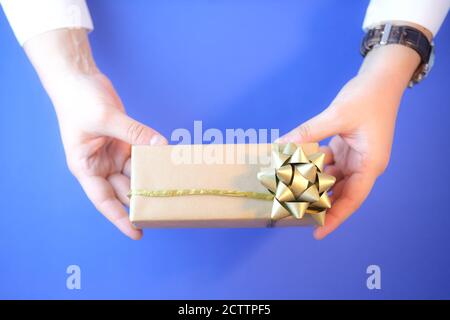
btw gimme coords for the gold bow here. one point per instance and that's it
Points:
(298, 183)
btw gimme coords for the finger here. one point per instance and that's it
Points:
(121, 185)
(334, 171)
(336, 191)
(131, 131)
(354, 192)
(102, 195)
(329, 157)
(322, 126)
(127, 168)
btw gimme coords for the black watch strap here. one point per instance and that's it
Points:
(404, 35)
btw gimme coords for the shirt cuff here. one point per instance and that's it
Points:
(427, 13)
(29, 18)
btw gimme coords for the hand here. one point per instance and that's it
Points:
(362, 120)
(95, 130)
(97, 135)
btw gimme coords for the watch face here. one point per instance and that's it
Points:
(423, 69)
(430, 63)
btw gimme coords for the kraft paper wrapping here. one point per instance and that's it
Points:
(204, 167)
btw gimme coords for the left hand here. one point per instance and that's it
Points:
(362, 120)
(97, 133)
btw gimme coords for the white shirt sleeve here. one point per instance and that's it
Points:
(29, 18)
(427, 13)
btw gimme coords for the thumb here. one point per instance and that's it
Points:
(124, 128)
(315, 129)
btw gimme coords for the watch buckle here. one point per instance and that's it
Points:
(386, 34)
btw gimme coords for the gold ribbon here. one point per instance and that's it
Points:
(298, 183)
(197, 192)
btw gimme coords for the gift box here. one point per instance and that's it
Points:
(233, 185)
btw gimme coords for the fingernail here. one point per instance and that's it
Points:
(316, 235)
(158, 140)
(138, 235)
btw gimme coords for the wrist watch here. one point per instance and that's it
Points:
(404, 35)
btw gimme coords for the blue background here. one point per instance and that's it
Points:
(222, 62)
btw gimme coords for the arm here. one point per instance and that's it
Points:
(95, 130)
(361, 120)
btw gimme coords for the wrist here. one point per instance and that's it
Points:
(61, 54)
(390, 66)
(397, 64)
